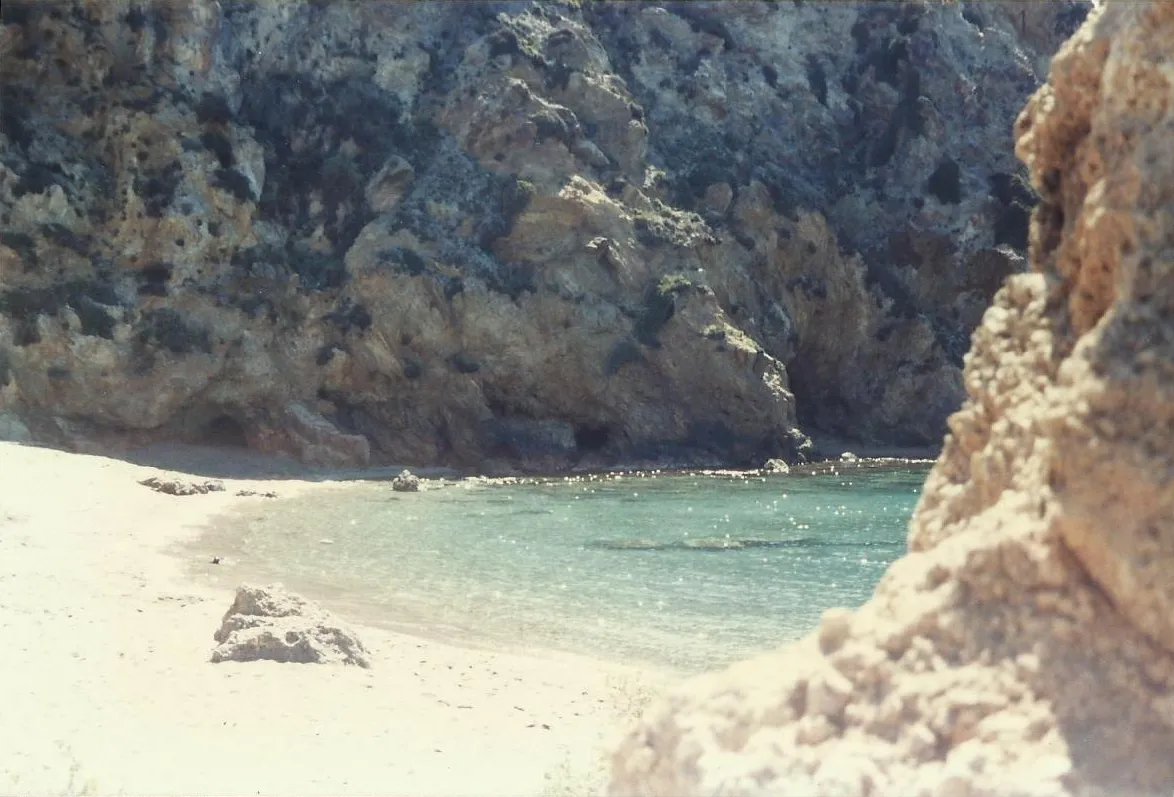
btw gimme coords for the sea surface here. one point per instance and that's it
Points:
(681, 571)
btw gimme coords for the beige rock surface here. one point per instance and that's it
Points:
(271, 623)
(431, 233)
(1025, 645)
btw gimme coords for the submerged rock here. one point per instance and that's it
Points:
(1025, 645)
(538, 233)
(271, 623)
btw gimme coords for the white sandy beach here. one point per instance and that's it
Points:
(106, 686)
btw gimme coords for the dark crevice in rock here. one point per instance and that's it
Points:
(95, 318)
(626, 351)
(945, 182)
(464, 363)
(1016, 199)
(213, 109)
(166, 328)
(91, 301)
(15, 104)
(1070, 17)
(590, 438)
(235, 183)
(349, 316)
(659, 306)
(24, 245)
(817, 79)
(223, 430)
(157, 190)
(153, 279)
(218, 144)
(324, 116)
(62, 236)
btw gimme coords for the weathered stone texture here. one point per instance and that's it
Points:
(1025, 645)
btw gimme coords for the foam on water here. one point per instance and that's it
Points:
(688, 571)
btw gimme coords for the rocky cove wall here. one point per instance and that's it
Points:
(1025, 645)
(538, 233)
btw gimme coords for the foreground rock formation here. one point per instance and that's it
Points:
(539, 233)
(1025, 645)
(274, 624)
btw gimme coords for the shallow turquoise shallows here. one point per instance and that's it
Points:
(689, 571)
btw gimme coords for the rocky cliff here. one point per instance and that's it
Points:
(544, 233)
(1025, 645)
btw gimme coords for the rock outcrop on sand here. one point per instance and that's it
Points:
(176, 486)
(1025, 645)
(272, 623)
(538, 233)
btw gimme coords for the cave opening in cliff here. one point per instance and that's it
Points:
(590, 438)
(224, 431)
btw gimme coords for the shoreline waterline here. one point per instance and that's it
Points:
(469, 599)
(110, 688)
(221, 462)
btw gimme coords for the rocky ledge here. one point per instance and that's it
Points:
(1025, 645)
(537, 233)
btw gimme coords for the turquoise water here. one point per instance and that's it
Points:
(686, 571)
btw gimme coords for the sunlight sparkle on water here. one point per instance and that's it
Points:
(687, 571)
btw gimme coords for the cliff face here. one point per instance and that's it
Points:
(539, 232)
(1025, 645)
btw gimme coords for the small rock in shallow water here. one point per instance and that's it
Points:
(775, 466)
(848, 456)
(406, 482)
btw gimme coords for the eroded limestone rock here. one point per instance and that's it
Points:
(1025, 645)
(274, 624)
(377, 230)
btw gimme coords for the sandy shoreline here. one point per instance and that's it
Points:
(108, 688)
